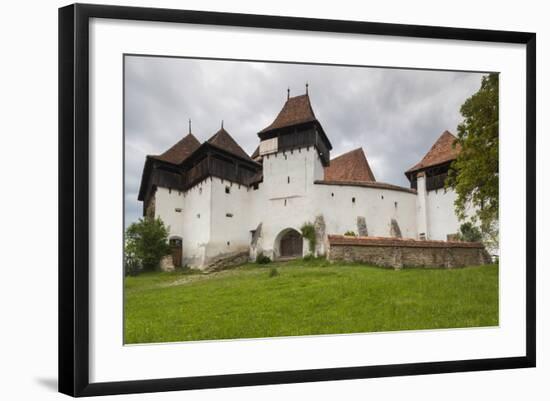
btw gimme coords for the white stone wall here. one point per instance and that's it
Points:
(279, 204)
(440, 214)
(421, 208)
(378, 206)
(214, 223)
(286, 196)
(192, 224)
(230, 221)
(166, 203)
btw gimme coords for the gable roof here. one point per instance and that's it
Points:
(180, 151)
(224, 141)
(296, 110)
(442, 151)
(350, 167)
(256, 152)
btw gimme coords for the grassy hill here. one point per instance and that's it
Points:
(306, 298)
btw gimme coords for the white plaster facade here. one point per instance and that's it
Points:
(217, 217)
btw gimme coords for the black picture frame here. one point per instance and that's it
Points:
(74, 200)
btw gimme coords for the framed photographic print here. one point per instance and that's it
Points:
(250, 199)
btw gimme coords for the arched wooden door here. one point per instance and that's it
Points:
(291, 244)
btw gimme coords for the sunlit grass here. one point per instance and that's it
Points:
(306, 298)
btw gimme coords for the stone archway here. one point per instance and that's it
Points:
(289, 244)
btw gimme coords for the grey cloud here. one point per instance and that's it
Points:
(394, 114)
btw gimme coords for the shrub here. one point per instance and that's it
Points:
(469, 233)
(261, 259)
(131, 262)
(350, 234)
(308, 232)
(146, 243)
(308, 258)
(273, 272)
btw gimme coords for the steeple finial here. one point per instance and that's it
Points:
(287, 93)
(222, 124)
(189, 125)
(307, 86)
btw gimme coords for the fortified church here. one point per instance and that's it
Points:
(221, 204)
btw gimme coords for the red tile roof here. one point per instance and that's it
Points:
(351, 166)
(223, 140)
(442, 151)
(296, 110)
(402, 242)
(180, 151)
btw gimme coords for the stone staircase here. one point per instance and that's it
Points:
(226, 261)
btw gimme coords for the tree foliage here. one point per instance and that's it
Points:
(146, 243)
(469, 232)
(474, 174)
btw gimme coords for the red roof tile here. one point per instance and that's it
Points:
(223, 140)
(403, 242)
(296, 110)
(180, 151)
(442, 151)
(351, 166)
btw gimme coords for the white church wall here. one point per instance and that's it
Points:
(440, 214)
(169, 207)
(377, 205)
(421, 208)
(192, 224)
(285, 197)
(289, 205)
(230, 223)
(289, 173)
(197, 214)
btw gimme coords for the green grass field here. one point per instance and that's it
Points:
(305, 298)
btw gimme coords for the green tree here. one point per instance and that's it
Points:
(146, 243)
(474, 174)
(469, 232)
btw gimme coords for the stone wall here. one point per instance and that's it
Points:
(399, 253)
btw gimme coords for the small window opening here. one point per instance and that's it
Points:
(178, 210)
(382, 196)
(169, 190)
(198, 215)
(227, 190)
(229, 215)
(332, 194)
(395, 204)
(200, 190)
(352, 200)
(285, 202)
(228, 243)
(288, 180)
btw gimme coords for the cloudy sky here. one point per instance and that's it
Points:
(395, 115)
